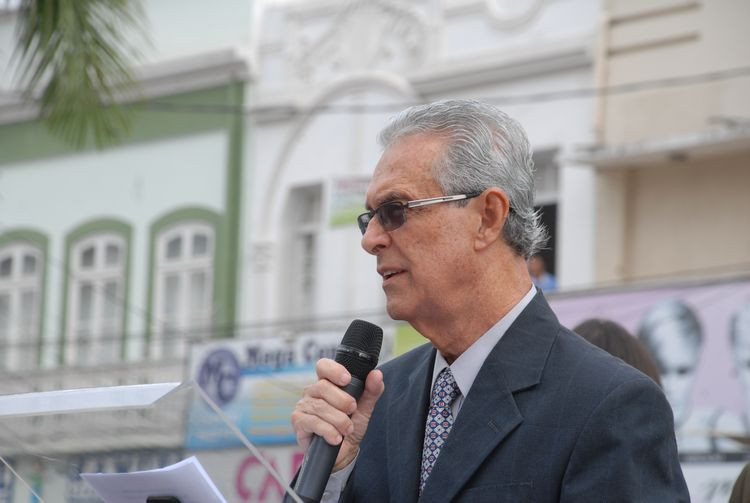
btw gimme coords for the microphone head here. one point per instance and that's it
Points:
(360, 348)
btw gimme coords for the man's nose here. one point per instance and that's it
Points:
(375, 237)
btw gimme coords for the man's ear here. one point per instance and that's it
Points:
(494, 206)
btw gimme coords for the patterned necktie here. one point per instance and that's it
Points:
(439, 421)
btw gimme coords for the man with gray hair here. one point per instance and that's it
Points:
(503, 404)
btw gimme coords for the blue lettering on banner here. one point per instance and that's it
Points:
(219, 376)
(268, 359)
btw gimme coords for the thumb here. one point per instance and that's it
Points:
(374, 387)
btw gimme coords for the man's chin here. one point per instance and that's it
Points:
(396, 310)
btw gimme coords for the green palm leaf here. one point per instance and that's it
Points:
(74, 57)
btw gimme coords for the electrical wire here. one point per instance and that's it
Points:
(520, 99)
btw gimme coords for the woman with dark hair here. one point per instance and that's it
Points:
(617, 341)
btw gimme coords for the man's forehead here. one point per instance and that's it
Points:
(399, 184)
(405, 170)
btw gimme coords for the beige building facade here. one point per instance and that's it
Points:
(673, 128)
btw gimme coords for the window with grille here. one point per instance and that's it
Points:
(303, 229)
(184, 286)
(95, 310)
(21, 267)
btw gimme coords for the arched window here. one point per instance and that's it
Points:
(21, 270)
(302, 224)
(184, 286)
(95, 314)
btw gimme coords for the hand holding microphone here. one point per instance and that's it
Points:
(338, 407)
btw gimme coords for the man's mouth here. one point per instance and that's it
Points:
(390, 273)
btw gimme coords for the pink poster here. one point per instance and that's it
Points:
(699, 336)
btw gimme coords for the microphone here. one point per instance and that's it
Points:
(358, 353)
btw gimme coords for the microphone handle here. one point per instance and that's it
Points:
(320, 458)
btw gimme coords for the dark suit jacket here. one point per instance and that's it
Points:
(549, 417)
(741, 488)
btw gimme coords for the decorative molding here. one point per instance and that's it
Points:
(517, 17)
(502, 17)
(357, 36)
(288, 104)
(442, 77)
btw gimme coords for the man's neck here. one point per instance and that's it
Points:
(456, 332)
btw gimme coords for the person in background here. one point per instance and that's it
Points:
(739, 342)
(732, 427)
(673, 335)
(617, 341)
(503, 403)
(539, 275)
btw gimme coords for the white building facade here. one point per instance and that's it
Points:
(330, 74)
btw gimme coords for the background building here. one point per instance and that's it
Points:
(673, 152)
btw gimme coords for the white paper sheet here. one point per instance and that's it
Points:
(186, 480)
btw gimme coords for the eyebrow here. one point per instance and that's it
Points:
(394, 195)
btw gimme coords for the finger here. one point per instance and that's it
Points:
(306, 425)
(333, 371)
(333, 395)
(323, 411)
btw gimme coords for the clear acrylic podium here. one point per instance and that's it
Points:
(48, 439)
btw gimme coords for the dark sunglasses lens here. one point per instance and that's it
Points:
(391, 216)
(363, 221)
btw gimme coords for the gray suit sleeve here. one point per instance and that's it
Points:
(627, 450)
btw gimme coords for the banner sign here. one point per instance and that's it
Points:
(256, 383)
(241, 477)
(347, 200)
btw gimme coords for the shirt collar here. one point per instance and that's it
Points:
(466, 367)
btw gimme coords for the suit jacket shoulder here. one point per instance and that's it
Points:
(549, 418)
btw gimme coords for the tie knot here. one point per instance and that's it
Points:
(445, 389)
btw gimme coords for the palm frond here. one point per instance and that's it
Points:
(75, 57)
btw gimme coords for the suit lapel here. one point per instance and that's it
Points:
(407, 413)
(489, 413)
(487, 416)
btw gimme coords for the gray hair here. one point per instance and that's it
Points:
(670, 310)
(485, 148)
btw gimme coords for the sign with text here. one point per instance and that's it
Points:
(347, 199)
(256, 383)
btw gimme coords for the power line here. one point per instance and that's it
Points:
(520, 99)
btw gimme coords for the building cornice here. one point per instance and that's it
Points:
(503, 66)
(454, 74)
(192, 73)
(698, 145)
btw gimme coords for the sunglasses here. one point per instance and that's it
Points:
(392, 215)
